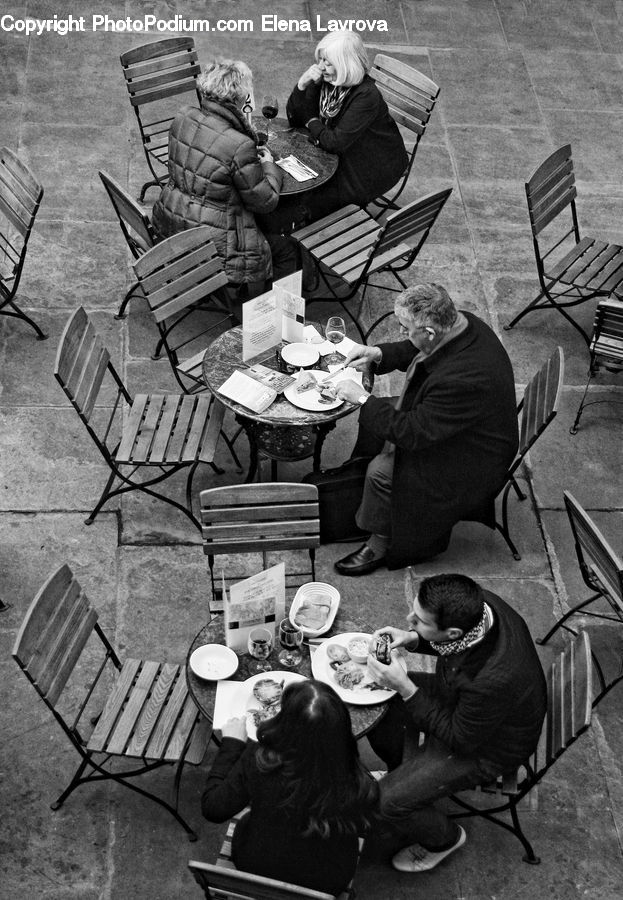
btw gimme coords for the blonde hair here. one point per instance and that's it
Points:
(346, 52)
(226, 79)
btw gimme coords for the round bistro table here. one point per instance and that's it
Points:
(203, 693)
(290, 141)
(283, 432)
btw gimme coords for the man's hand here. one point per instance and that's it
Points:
(362, 357)
(392, 677)
(235, 728)
(400, 637)
(314, 73)
(264, 154)
(349, 390)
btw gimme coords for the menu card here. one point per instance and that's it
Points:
(248, 391)
(259, 600)
(261, 325)
(292, 307)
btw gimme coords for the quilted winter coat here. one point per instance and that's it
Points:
(217, 179)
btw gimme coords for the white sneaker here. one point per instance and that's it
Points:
(418, 859)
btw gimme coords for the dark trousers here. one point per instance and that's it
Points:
(417, 779)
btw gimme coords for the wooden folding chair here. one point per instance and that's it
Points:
(536, 409)
(571, 269)
(606, 348)
(569, 709)
(20, 197)
(252, 518)
(225, 880)
(602, 573)
(150, 433)
(135, 226)
(411, 98)
(153, 73)
(353, 246)
(182, 278)
(146, 715)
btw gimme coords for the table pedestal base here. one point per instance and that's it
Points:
(283, 443)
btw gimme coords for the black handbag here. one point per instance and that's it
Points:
(339, 494)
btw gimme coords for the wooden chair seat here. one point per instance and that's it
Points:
(572, 268)
(162, 429)
(154, 73)
(353, 246)
(20, 198)
(569, 711)
(146, 715)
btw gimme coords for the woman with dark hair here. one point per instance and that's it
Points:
(309, 794)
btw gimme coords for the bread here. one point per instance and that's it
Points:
(313, 611)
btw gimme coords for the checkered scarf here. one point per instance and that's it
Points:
(475, 634)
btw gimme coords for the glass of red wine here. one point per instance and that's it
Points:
(270, 108)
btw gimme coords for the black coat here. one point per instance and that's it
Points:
(489, 701)
(455, 437)
(363, 134)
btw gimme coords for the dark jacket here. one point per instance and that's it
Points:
(217, 179)
(455, 435)
(268, 842)
(490, 700)
(363, 134)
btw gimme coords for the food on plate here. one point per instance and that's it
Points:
(348, 675)
(268, 692)
(313, 611)
(337, 653)
(327, 394)
(264, 714)
(358, 649)
(305, 381)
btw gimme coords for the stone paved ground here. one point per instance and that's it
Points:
(518, 79)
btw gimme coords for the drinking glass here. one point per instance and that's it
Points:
(290, 638)
(260, 645)
(270, 108)
(335, 331)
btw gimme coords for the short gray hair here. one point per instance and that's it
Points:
(430, 302)
(226, 79)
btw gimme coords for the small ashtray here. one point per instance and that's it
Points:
(298, 356)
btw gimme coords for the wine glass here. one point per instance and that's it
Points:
(260, 645)
(270, 108)
(335, 331)
(290, 638)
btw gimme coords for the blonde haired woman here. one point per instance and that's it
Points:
(219, 177)
(345, 113)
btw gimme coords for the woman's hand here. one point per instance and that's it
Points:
(362, 357)
(399, 637)
(235, 728)
(313, 74)
(264, 154)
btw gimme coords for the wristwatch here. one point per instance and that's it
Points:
(362, 399)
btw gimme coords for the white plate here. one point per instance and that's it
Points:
(315, 587)
(321, 669)
(213, 662)
(300, 355)
(247, 701)
(310, 400)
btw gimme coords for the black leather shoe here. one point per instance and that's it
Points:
(360, 562)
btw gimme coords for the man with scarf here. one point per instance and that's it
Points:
(481, 711)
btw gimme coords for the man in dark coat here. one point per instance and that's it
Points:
(481, 712)
(442, 452)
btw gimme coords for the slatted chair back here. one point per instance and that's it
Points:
(83, 366)
(217, 881)
(20, 197)
(252, 518)
(179, 277)
(133, 220)
(607, 340)
(52, 638)
(569, 711)
(539, 404)
(600, 565)
(411, 98)
(550, 190)
(154, 73)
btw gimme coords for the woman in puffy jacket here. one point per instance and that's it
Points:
(219, 177)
